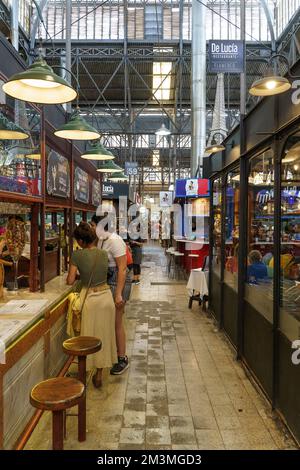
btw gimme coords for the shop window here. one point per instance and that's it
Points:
(217, 208)
(260, 261)
(290, 229)
(232, 229)
(20, 159)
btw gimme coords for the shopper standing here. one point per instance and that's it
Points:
(137, 255)
(117, 274)
(98, 313)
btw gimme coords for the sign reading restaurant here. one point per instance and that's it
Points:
(225, 56)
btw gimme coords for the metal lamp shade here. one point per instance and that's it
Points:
(11, 131)
(163, 131)
(118, 177)
(77, 129)
(214, 147)
(39, 84)
(97, 152)
(270, 85)
(108, 167)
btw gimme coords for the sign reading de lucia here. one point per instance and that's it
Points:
(224, 48)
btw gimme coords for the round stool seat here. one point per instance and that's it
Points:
(193, 256)
(82, 345)
(177, 253)
(57, 394)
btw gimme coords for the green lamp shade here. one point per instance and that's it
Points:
(77, 129)
(118, 177)
(10, 131)
(39, 84)
(108, 167)
(97, 152)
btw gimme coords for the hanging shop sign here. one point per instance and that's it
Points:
(58, 175)
(131, 168)
(115, 190)
(96, 193)
(192, 188)
(81, 186)
(225, 56)
(165, 198)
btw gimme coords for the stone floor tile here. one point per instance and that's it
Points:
(205, 422)
(209, 439)
(134, 419)
(132, 436)
(158, 436)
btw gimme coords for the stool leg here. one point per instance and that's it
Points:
(57, 430)
(82, 404)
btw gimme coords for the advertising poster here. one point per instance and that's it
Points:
(58, 175)
(165, 198)
(191, 187)
(96, 193)
(81, 186)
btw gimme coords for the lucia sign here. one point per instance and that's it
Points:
(226, 56)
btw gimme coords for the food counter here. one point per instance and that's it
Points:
(33, 351)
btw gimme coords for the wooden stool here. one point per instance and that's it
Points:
(57, 395)
(82, 346)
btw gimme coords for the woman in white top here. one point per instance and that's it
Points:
(117, 272)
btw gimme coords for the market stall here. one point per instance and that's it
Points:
(193, 197)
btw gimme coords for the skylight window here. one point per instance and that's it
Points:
(161, 83)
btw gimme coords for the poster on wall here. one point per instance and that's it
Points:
(165, 198)
(191, 187)
(96, 192)
(81, 186)
(58, 175)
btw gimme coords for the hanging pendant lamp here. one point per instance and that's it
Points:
(108, 167)
(214, 147)
(11, 131)
(118, 177)
(39, 84)
(97, 151)
(77, 129)
(163, 131)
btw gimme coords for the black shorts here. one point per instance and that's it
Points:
(136, 269)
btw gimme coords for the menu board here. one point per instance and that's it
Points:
(96, 193)
(81, 186)
(58, 175)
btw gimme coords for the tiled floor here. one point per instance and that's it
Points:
(183, 390)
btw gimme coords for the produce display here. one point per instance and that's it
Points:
(15, 237)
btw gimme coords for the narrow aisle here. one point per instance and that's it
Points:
(183, 390)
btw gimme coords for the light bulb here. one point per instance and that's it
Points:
(39, 83)
(271, 84)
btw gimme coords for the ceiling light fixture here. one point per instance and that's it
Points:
(11, 131)
(97, 151)
(272, 83)
(77, 128)
(214, 146)
(108, 167)
(163, 131)
(39, 84)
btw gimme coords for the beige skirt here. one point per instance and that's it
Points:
(98, 319)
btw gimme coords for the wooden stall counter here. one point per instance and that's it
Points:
(32, 330)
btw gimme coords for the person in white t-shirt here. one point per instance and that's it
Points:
(117, 272)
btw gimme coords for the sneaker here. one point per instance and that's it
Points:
(137, 283)
(120, 366)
